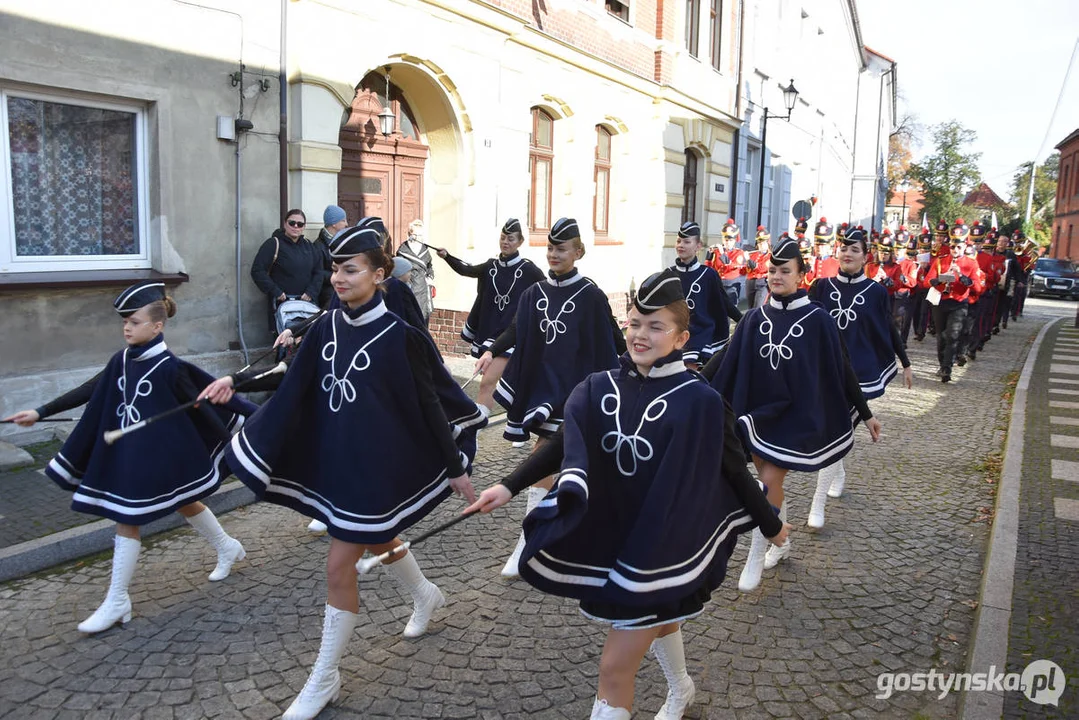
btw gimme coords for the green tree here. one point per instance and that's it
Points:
(1043, 209)
(949, 172)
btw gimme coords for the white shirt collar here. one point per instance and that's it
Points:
(793, 305)
(370, 316)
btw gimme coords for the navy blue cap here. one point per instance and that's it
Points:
(658, 291)
(563, 230)
(352, 241)
(138, 295)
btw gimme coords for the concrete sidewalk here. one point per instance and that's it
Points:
(1029, 608)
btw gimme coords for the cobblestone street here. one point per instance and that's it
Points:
(890, 583)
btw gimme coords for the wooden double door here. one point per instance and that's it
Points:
(381, 176)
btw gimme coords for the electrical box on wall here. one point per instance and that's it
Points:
(226, 128)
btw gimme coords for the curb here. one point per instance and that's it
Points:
(991, 621)
(45, 552)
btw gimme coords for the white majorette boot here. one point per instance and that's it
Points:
(825, 476)
(602, 711)
(751, 573)
(426, 596)
(117, 605)
(323, 686)
(317, 527)
(838, 478)
(777, 553)
(229, 549)
(671, 655)
(509, 570)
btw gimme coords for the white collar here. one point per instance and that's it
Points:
(511, 262)
(851, 280)
(666, 370)
(567, 281)
(370, 316)
(687, 268)
(793, 305)
(152, 352)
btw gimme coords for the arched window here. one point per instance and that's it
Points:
(689, 186)
(540, 167)
(601, 205)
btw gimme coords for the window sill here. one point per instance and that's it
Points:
(538, 238)
(84, 279)
(604, 239)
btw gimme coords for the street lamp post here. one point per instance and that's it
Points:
(903, 187)
(386, 118)
(790, 96)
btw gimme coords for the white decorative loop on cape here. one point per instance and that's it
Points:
(777, 352)
(553, 328)
(502, 300)
(844, 316)
(340, 389)
(615, 441)
(694, 288)
(126, 411)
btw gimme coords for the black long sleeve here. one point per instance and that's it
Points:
(261, 265)
(506, 340)
(71, 399)
(269, 383)
(852, 388)
(433, 414)
(547, 460)
(897, 345)
(745, 486)
(186, 390)
(462, 268)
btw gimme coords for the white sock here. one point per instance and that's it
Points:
(206, 524)
(671, 654)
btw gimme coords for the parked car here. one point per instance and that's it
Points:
(1052, 276)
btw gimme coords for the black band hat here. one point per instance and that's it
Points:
(563, 230)
(730, 230)
(763, 234)
(801, 226)
(823, 232)
(805, 246)
(513, 225)
(785, 251)
(352, 241)
(853, 235)
(373, 222)
(138, 295)
(689, 229)
(959, 232)
(658, 291)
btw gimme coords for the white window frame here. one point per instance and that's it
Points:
(12, 263)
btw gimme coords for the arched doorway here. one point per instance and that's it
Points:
(381, 175)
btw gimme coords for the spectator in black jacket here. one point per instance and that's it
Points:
(287, 265)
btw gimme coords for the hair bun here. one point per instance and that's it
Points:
(170, 306)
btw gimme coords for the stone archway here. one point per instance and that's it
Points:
(380, 175)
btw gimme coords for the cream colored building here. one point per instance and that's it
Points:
(623, 115)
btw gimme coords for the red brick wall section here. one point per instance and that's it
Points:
(591, 35)
(445, 325)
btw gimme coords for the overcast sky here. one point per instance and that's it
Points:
(996, 66)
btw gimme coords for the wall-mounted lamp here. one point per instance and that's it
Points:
(386, 118)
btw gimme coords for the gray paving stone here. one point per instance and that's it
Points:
(889, 584)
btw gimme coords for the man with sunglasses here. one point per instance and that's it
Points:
(287, 265)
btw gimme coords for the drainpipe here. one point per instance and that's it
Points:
(854, 152)
(283, 122)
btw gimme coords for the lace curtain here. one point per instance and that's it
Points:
(73, 179)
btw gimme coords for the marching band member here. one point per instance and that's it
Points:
(951, 277)
(862, 312)
(710, 308)
(786, 363)
(730, 261)
(563, 331)
(500, 282)
(824, 264)
(361, 372)
(166, 467)
(757, 269)
(640, 526)
(909, 277)
(926, 253)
